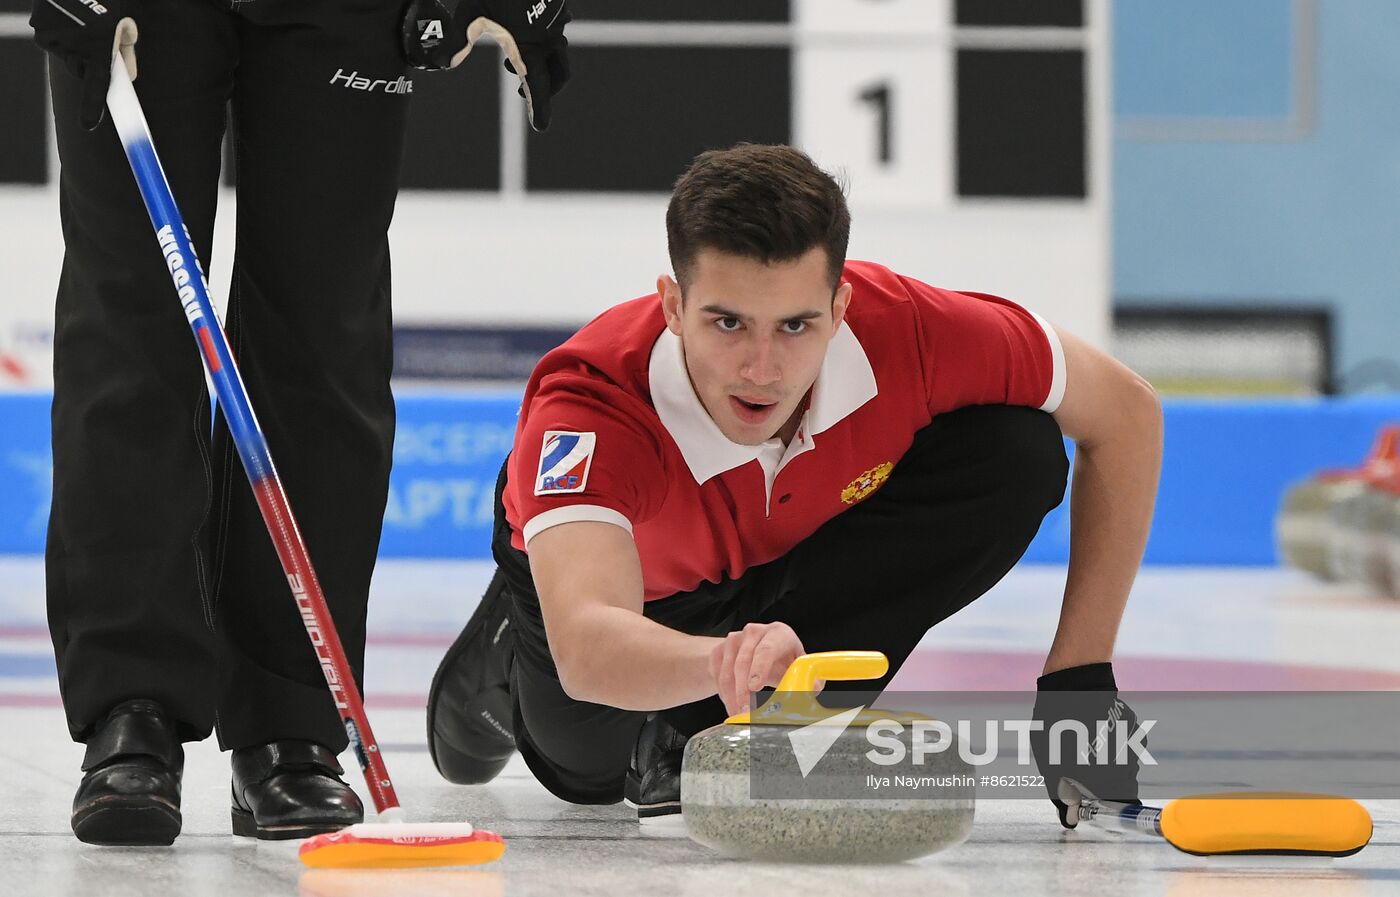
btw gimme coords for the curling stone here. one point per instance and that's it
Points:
(1353, 553)
(789, 781)
(1361, 520)
(1390, 537)
(1303, 526)
(1379, 512)
(1344, 535)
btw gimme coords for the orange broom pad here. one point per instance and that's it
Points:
(401, 846)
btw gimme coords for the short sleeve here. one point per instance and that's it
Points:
(583, 452)
(980, 349)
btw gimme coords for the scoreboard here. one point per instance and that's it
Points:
(972, 136)
(922, 102)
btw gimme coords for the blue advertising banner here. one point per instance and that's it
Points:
(448, 451)
(1226, 466)
(26, 472)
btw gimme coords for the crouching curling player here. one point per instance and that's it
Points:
(781, 451)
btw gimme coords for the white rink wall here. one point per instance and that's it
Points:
(485, 258)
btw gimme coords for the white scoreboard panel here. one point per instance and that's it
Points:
(974, 138)
(874, 96)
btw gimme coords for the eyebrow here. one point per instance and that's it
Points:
(723, 312)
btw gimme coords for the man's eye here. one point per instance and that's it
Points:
(728, 325)
(794, 326)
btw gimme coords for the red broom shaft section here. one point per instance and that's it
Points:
(320, 628)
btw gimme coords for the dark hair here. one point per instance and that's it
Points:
(770, 203)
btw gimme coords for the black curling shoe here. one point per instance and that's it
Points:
(290, 789)
(653, 784)
(470, 736)
(130, 792)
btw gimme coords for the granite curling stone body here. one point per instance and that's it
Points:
(743, 794)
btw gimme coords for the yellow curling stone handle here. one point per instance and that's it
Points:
(794, 701)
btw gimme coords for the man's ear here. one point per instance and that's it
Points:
(840, 303)
(670, 293)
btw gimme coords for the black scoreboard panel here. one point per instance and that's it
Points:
(642, 104)
(636, 116)
(1024, 13)
(1021, 123)
(681, 10)
(24, 144)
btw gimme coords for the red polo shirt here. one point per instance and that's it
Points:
(610, 429)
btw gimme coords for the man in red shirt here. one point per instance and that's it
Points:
(778, 452)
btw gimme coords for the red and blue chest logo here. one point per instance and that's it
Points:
(564, 461)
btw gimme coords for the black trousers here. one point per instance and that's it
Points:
(955, 515)
(162, 581)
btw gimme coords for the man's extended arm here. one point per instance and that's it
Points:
(1116, 422)
(589, 579)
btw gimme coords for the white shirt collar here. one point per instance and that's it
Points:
(845, 382)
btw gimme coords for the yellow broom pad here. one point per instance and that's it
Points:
(1278, 823)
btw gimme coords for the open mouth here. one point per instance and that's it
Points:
(751, 412)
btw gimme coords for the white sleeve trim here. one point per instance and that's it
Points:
(1057, 366)
(573, 514)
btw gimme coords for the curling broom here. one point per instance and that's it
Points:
(388, 842)
(1261, 823)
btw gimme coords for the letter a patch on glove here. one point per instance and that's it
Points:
(564, 461)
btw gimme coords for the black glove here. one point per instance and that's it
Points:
(1087, 694)
(85, 36)
(438, 34)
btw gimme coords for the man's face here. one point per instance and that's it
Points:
(754, 337)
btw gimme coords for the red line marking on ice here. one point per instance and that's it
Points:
(30, 701)
(947, 670)
(24, 632)
(966, 670)
(377, 639)
(388, 701)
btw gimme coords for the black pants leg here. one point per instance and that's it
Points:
(956, 514)
(309, 318)
(162, 579)
(977, 483)
(127, 567)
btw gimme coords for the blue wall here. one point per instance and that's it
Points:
(1226, 464)
(1307, 218)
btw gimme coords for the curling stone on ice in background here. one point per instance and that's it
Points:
(1359, 549)
(1377, 513)
(821, 810)
(1307, 536)
(1390, 536)
(1304, 520)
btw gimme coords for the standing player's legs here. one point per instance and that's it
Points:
(317, 167)
(127, 564)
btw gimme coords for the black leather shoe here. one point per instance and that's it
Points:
(290, 789)
(130, 793)
(470, 736)
(653, 784)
